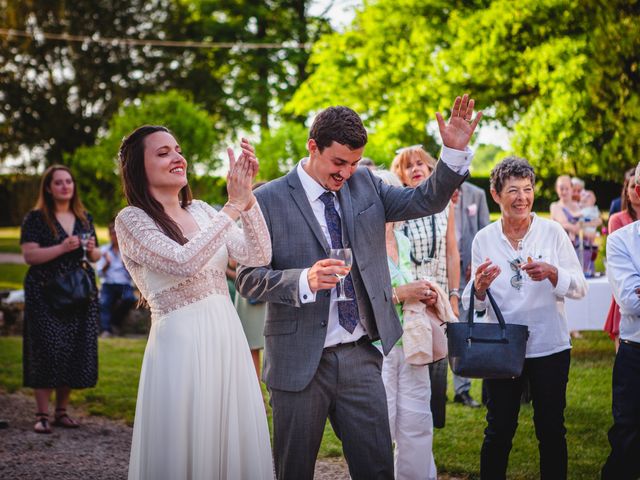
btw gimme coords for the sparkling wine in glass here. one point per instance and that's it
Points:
(345, 255)
(84, 241)
(428, 269)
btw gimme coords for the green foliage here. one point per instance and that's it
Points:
(486, 157)
(456, 447)
(56, 95)
(384, 68)
(12, 276)
(279, 150)
(96, 166)
(563, 74)
(59, 95)
(18, 195)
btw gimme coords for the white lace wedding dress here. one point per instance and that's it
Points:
(199, 413)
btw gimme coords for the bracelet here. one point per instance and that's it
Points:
(454, 292)
(234, 207)
(394, 295)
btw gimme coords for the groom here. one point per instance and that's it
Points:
(319, 361)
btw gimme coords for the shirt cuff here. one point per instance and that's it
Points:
(479, 305)
(457, 160)
(306, 295)
(563, 283)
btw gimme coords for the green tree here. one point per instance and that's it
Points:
(563, 74)
(384, 67)
(56, 95)
(96, 167)
(280, 149)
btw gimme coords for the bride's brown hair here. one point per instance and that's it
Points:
(136, 185)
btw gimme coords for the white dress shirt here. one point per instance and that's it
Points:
(335, 333)
(457, 160)
(538, 305)
(623, 272)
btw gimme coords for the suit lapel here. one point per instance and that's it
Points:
(346, 207)
(301, 200)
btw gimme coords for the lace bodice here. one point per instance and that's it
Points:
(170, 275)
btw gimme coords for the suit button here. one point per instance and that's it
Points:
(323, 324)
(304, 296)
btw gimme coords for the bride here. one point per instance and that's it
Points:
(199, 412)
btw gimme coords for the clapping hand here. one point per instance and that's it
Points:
(457, 132)
(539, 271)
(486, 273)
(241, 175)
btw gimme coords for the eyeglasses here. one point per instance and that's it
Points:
(410, 147)
(517, 280)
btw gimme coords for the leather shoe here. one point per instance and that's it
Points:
(465, 399)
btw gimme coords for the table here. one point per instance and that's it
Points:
(590, 312)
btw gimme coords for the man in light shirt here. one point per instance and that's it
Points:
(623, 271)
(116, 291)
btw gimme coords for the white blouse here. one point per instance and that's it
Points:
(538, 305)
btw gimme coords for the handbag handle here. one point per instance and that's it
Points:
(496, 310)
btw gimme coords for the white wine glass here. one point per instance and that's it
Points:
(428, 269)
(345, 255)
(84, 241)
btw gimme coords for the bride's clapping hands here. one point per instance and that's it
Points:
(240, 178)
(249, 154)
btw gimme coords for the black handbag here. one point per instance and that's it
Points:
(487, 350)
(71, 290)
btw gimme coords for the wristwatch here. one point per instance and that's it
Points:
(454, 292)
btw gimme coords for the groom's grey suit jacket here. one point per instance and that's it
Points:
(295, 332)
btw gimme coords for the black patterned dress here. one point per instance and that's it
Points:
(58, 350)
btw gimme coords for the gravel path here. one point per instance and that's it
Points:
(11, 258)
(98, 450)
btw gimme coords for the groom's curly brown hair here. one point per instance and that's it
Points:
(338, 124)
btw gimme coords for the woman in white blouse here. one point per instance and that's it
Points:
(530, 266)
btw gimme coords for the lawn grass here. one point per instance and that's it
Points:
(10, 238)
(456, 447)
(588, 418)
(12, 276)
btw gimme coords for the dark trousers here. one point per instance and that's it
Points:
(438, 376)
(347, 388)
(548, 377)
(624, 461)
(115, 300)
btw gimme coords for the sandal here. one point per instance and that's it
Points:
(63, 420)
(42, 425)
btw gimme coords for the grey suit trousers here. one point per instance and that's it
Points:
(347, 388)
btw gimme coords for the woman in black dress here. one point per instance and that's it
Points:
(60, 350)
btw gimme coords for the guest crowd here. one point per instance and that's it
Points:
(412, 246)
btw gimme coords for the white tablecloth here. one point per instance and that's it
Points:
(590, 312)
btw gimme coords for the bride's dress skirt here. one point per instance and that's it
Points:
(200, 412)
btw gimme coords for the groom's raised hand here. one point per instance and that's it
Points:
(457, 132)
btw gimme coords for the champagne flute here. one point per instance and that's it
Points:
(345, 255)
(84, 241)
(428, 269)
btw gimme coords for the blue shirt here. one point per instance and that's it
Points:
(116, 273)
(623, 272)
